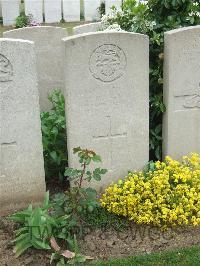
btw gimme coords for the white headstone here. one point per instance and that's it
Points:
(49, 54)
(181, 125)
(52, 10)
(107, 99)
(10, 11)
(0, 9)
(110, 3)
(22, 177)
(91, 10)
(34, 8)
(91, 27)
(71, 10)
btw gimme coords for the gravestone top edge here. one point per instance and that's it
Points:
(12, 40)
(87, 24)
(180, 30)
(35, 29)
(101, 33)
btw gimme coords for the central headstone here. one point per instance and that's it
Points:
(107, 99)
(22, 177)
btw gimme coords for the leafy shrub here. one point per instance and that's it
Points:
(37, 230)
(36, 226)
(80, 200)
(32, 22)
(61, 219)
(54, 137)
(168, 195)
(153, 18)
(25, 21)
(75, 203)
(102, 8)
(22, 20)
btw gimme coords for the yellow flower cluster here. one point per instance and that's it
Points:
(167, 196)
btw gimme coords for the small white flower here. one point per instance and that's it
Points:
(114, 27)
(195, 4)
(194, 13)
(144, 2)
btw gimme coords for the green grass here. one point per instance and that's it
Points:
(186, 256)
(2, 29)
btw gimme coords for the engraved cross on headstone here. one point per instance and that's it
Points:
(110, 136)
(190, 99)
(3, 147)
(193, 101)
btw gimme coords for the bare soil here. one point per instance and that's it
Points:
(7, 258)
(104, 244)
(136, 240)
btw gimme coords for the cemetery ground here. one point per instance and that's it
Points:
(117, 246)
(106, 236)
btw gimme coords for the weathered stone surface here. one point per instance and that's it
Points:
(71, 10)
(10, 11)
(21, 161)
(90, 27)
(181, 125)
(35, 9)
(0, 9)
(52, 9)
(49, 54)
(110, 3)
(91, 10)
(107, 99)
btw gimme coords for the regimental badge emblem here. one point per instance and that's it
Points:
(107, 62)
(6, 69)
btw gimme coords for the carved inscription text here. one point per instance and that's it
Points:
(6, 69)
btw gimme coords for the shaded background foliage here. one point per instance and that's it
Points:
(154, 18)
(54, 137)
